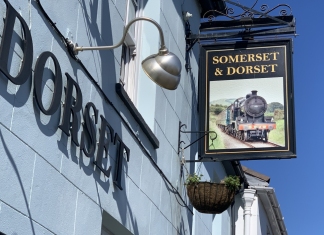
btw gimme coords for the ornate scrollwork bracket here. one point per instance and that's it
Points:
(250, 12)
(247, 24)
(212, 137)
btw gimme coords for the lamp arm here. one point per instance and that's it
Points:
(163, 49)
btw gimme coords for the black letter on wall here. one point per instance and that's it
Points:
(71, 107)
(122, 148)
(27, 47)
(39, 69)
(104, 144)
(89, 130)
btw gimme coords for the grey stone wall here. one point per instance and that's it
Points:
(47, 185)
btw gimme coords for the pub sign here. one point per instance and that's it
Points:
(246, 98)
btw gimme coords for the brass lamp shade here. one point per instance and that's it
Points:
(164, 69)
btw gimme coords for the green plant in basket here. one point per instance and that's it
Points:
(193, 179)
(220, 195)
(232, 182)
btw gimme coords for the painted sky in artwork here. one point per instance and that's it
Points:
(271, 89)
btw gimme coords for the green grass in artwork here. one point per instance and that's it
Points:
(277, 136)
(268, 114)
(218, 143)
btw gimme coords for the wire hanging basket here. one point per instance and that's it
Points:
(210, 198)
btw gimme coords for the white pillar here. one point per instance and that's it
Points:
(247, 197)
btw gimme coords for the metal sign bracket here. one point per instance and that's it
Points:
(247, 25)
(212, 138)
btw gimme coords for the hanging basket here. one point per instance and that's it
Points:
(211, 198)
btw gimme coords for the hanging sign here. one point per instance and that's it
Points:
(246, 97)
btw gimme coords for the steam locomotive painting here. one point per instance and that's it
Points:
(246, 101)
(244, 119)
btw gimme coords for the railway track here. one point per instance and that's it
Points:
(274, 145)
(231, 141)
(253, 144)
(260, 144)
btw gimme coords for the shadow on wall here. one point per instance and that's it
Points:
(51, 127)
(15, 91)
(103, 37)
(193, 53)
(124, 207)
(109, 76)
(177, 5)
(16, 172)
(107, 82)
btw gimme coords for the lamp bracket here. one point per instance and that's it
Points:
(212, 137)
(163, 50)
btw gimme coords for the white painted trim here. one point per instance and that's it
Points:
(247, 198)
(269, 200)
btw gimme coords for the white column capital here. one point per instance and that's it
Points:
(248, 197)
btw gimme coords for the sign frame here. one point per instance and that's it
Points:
(215, 72)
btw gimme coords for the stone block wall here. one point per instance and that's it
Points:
(47, 184)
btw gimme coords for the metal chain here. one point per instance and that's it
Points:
(183, 160)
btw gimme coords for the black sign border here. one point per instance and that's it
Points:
(290, 149)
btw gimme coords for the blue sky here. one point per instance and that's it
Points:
(298, 182)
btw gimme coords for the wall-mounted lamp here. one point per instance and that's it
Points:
(164, 68)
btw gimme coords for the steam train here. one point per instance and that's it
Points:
(244, 119)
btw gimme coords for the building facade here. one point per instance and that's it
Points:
(89, 145)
